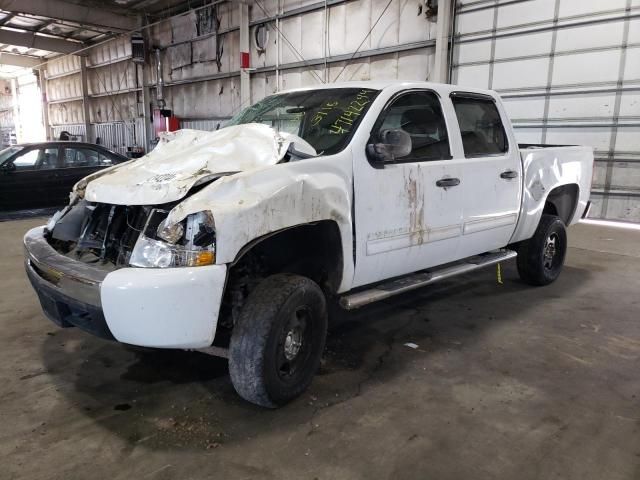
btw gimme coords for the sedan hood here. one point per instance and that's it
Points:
(186, 158)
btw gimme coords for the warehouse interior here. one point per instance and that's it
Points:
(477, 376)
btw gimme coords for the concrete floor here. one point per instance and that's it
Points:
(508, 381)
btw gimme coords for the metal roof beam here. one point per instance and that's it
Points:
(18, 60)
(39, 42)
(72, 12)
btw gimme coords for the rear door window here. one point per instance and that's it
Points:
(83, 157)
(480, 126)
(48, 159)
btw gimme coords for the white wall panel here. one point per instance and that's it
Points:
(528, 135)
(520, 73)
(525, 12)
(599, 35)
(412, 26)
(580, 105)
(525, 108)
(519, 45)
(592, 67)
(626, 176)
(570, 8)
(415, 64)
(356, 70)
(622, 208)
(598, 137)
(634, 29)
(116, 49)
(632, 66)
(62, 65)
(386, 33)
(384, 67)
(628, 139)
(630, 105)
(66, 113)
(473, 51)
(477, 21)
(63, 88)
(472, 76)
(312, 25)
(113, 108)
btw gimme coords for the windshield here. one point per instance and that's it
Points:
(8, 152)
(325, 118)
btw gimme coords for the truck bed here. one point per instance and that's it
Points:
(549, 169)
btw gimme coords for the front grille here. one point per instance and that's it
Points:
(99, 233)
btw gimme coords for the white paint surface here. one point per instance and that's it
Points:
(164, 308)
(184, 157)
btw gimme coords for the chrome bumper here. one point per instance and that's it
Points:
(69, 277)
(68, 290)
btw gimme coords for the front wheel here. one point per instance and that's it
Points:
(541, 258)
(277, 342)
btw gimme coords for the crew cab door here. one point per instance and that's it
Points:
(491, 179)
(408, 212)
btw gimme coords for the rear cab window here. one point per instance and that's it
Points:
(481, 127)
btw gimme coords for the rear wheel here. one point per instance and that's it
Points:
(541, 258)
(277, 342)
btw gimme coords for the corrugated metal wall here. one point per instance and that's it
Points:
(114, 86)
(567, 69)
(308, 42)
(569, 72)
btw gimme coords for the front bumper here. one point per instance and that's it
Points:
(163, 308)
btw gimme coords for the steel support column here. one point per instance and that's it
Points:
(245, 76)
(443, 26)
(146, 94)
(86, 110)
(42, 83)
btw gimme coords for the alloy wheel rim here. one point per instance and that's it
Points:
(550, 251)
(293, 346)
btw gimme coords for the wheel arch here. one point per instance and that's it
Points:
(321, 240)
(562, 201)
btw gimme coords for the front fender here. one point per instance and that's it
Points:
(250, 205)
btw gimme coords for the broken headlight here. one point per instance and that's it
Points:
(189, 243)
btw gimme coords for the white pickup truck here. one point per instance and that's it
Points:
(234, 242)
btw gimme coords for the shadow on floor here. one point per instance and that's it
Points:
(24, 214)
(177, 399)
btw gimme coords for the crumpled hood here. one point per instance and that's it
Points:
(183, 158)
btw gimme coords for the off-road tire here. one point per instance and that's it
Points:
(535, 267)
(257, 349)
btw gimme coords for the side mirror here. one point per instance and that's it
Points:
(7, 167)
(394, 143)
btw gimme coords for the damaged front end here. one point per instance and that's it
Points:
(116, 236)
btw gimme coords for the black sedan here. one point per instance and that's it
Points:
(41, 175)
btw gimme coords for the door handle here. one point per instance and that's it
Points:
(448, 182)
(509, 174)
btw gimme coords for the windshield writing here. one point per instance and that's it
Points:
(325, 118)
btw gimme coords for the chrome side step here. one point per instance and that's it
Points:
(420, 279)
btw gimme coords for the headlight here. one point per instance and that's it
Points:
(158, 254)
(170, 233)
(161, 246)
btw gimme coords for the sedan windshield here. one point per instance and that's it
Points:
(326, 118)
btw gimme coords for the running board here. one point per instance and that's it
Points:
(420, 279)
